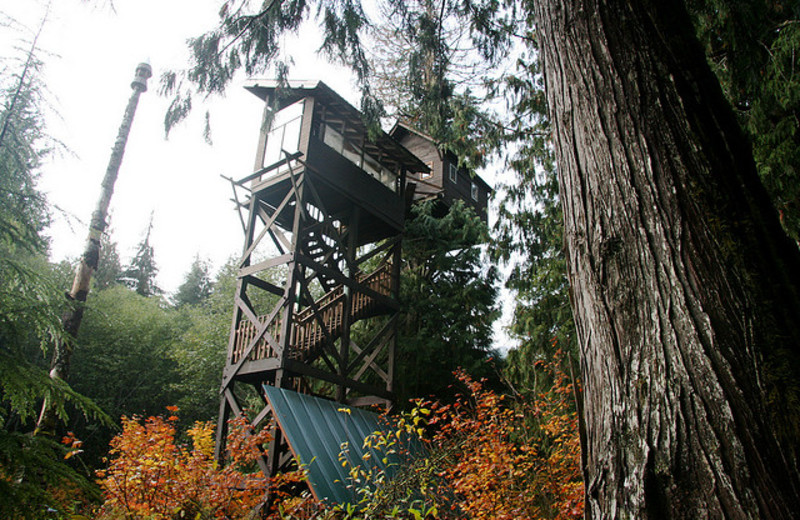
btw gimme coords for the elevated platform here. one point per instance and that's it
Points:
(317, 323)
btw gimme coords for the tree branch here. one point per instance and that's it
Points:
(21, 84)
(253, 19)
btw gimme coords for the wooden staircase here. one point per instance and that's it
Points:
(308, 332)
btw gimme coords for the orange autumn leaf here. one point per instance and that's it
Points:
(149, 475)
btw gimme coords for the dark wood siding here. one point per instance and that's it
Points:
(348, 183)
(462, 188)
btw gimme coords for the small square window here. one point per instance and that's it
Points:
(453, 173)
(474, 191)
(429, 174)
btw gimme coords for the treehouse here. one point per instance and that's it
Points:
(316, 301)
(443, 181)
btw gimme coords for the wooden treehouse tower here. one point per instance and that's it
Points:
(317, 292)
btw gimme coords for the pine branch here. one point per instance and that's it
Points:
(21, 83)
(253, 19)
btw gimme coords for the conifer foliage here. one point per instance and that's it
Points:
(196, 286)
(140, 275)
(449, 301)
(33, 473)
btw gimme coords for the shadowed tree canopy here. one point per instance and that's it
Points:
(753, 47)
(449, 302)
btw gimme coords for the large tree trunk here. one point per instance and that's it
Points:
(62, 350)
(684, 287)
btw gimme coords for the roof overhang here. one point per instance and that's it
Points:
(401, 129)
(281, 95)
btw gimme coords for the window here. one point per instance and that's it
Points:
(284, 134)
(356, 155)
(333, 139)
(427, 175)
(474, 191)
(453, 173)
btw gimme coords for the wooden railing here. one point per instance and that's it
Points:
(308, 333)
(245, 334)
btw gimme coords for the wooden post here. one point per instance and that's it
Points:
(62, 353)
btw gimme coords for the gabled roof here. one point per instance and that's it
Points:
(384, 146)
(401, 129)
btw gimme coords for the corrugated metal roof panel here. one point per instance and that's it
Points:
(317, 430)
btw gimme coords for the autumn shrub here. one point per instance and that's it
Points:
(149, 475)
(485, 456)
(501, 465)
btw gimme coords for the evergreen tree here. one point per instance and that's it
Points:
(753, 48)
(109, 267)
(449, 302)
(200, 353)
(528, 233)
(32, 469)
(124, 363)
(196, 286)
(140, 275)
(427, 73)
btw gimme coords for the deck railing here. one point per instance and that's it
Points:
(307, 331)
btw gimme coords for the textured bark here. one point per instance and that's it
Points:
(684, 287)
(62, 350)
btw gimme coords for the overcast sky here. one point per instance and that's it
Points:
(91, 52)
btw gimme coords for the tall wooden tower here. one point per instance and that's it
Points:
(317, 293)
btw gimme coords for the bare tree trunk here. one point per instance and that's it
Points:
(62, 352)
(684, 287)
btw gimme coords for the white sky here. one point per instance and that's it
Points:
(95, 51)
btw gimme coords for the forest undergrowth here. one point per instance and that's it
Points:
(487, 455)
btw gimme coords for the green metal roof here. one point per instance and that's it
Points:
(317, 430)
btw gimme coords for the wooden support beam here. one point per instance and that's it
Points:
(247, 272)
(278, 236)
(263, 413)
(269, 221)
(373, 342)
(237, 410)
(251, 367)
(229, 375)
(363, 402)
(300, 368)
(370, 363)
(379, 249)
(274, 166)
(239, 205)
(318, 317)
